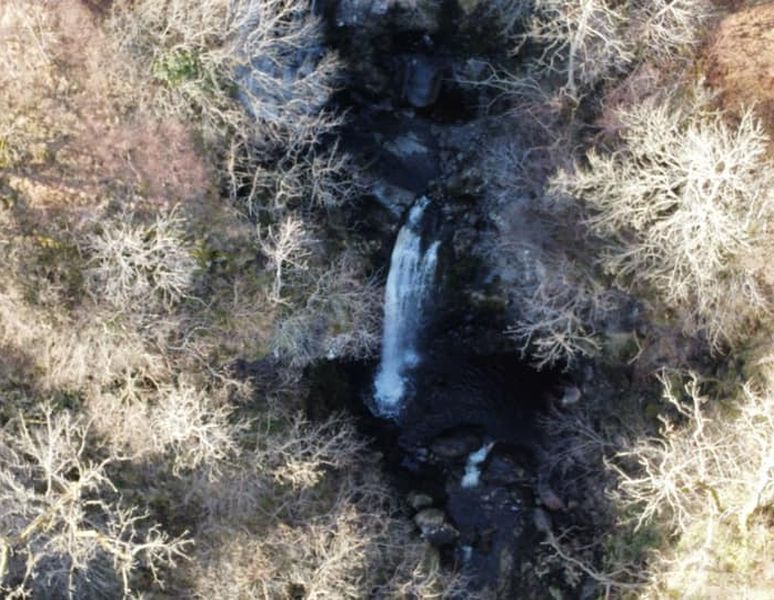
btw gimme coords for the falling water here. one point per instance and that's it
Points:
(409, 280)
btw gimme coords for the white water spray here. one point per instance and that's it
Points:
(473, 466)
(411, 274)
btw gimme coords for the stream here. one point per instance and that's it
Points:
(450, 403)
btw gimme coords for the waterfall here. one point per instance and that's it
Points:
(408, 282)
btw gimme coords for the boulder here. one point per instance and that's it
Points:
(400, 15)
(455, 445)
(421, 81)
(504, 470)
(418, 500)
(434, 527)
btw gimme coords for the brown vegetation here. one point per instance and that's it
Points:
(740, 61)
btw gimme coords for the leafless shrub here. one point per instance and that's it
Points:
(335, 536)
(180, 422)
(287, 249)
(307, 450)
(341, 317)
(684, 202)
(285, 76)
(64, 534)
(583, 40)
(663, 29)
(133, 263)
(704, 478)
(557, 316)
(178, 60)
(196, 433)
(73, 352)
(334, 179)
(325, 179)
(197, 52)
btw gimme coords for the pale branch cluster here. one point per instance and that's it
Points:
(284, 76)
(178, 62)
(286, 248)
(557, 316)
(584, 42)
(704, 464)
(341, 317)
(665, 29)
(132, 263)
(703, 478)
(311, 180)
(191, 428)
(307, 451)
(196, 53)
(325, 541)
(66, 533)
(683, 203)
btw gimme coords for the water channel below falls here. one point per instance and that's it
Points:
(450, 403)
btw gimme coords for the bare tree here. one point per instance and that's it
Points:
(683, 202)
(134, 264)
(703, 478)
(65, 532)
(583, 40)
(341, 317)
(286, 247)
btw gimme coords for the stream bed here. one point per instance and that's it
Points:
(451, 405)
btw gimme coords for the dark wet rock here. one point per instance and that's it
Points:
(505, 570)
(549, 498)
(443, 536)
(429, 519)
(421, 81)
(418, 500)
(401, 151)
(542, 521)
(464, 241)
(504, 470)
(400, 15)
(395, 199)
(571, 395)
(455, 445)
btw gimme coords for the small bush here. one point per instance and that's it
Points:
(557, 317)
(201, 59)
(134, 264)
(341, 317)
